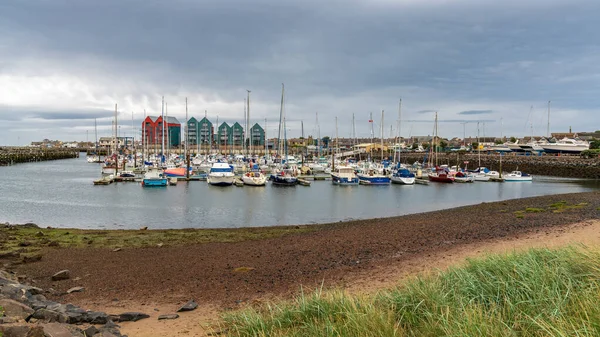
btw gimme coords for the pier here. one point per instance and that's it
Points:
(17, 155)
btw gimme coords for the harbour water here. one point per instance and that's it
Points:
(61, 194)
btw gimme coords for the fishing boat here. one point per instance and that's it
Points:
(403, 176)
(517, 176)
(441, 175)
(154, 178)
(254, 178)
(221, 174)
(284, 177)
(344, 175)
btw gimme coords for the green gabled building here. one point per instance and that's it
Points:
(257, 135)
(238, 134)
(225, 134)
(199, 132)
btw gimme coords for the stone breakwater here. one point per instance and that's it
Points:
(16, 155)
(558, 166)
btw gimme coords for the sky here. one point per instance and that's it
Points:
(484, 66)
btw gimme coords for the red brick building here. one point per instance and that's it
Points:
(152, 129)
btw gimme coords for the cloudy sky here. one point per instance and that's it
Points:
(64, 63)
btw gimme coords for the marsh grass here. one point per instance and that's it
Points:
(540, 292)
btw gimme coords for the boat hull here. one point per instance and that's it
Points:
(344, 181)
(284, 181)
(220, 180)
(562, 149)
(508, 179)
(441, 179)
(254, 181)
(154, 182)
(403, 180)
(373, 180)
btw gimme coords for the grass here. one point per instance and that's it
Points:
(26, 240)
(557, 207)
(540, 292)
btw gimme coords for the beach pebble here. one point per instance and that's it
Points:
(189, 306)
(61, 275)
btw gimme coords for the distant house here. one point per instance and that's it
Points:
(224, 136)
(238, 136)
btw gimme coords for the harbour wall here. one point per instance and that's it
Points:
(558, 166)
(16, 155)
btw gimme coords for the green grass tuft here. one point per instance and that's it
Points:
(540, 292)
(534, 210)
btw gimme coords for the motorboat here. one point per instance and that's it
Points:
(517, 176)
(403, 176)
(566, 145)
(284, 177)
(153, 178)
(221, 174)
(344, 175)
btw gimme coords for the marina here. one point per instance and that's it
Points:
(61, 194)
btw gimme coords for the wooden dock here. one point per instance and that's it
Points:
(104, 181)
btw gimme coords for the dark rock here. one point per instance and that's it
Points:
(90, 331)
(24, 244)
(169, 316)
(7, 320)
(130, 317)
(61, 275)
(50, 316)
(29, 225)
(189, 306)
(61, 330)
(75, 290)
(13, 308)
(40, 233)
(53, 244)
(96, 317)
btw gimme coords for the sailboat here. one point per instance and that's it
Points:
(441, 174)
(342, 175)
(285, 176)
(370, 176)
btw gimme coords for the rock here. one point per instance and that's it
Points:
(90, 331)
(53, 244)
(160, 245)
(24, 244)
(189, 306)
(39, 234)
(29, 225)
(8, 320)
(75, 290)
(144, 228)
(31, 257)
(61, 330)
(61, 275)
(169, 316)
(50, 316)
(130, 317)
(117, 250)
(25, 330)
(13, 308)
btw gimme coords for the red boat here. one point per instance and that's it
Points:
(441, 176)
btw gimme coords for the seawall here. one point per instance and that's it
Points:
(16, 155)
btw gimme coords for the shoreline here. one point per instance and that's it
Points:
(359, 255)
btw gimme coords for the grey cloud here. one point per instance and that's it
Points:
(425, 111)
(476, 112)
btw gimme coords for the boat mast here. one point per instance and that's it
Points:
(244, 133)
(399, 130)
(372, 135)
(353, 134)
(133, 145)
(166, 122)
(266, 142)
(187, 138)
(248, 122)
(144, 139)
(318, 137)
(478, 146)
(382, 137)
(162, 134)
(548, 131)
(96, 136)
(279, 135)
(336, 146)
(116, 145)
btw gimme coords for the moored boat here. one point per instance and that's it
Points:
(517, 176)
(254, 178)
(284, 177)
(344, 175)
(373, 178)
(566, 145)
(221, 174)
(462, 177)
(154, 178)
(403, 176)
(441, 175)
